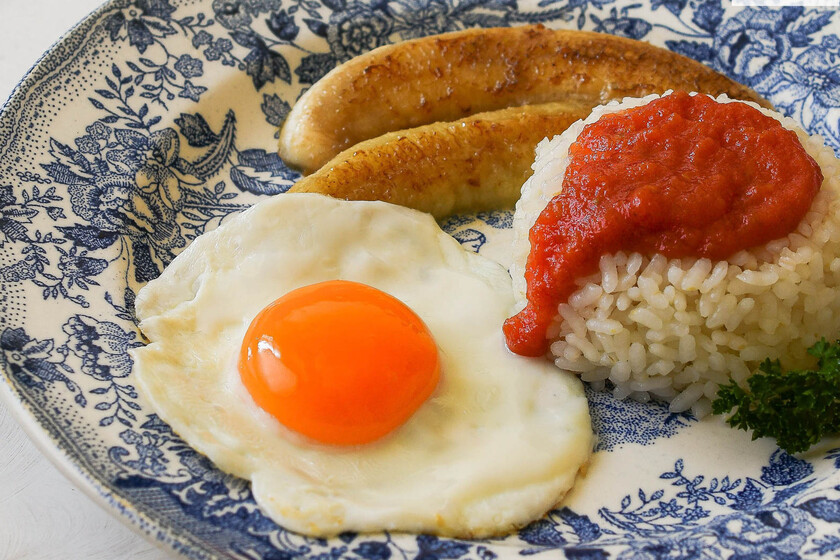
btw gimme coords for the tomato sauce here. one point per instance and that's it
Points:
(683, 176)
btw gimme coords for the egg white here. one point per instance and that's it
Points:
(499, 443)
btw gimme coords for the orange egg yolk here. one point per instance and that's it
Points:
(339, 362)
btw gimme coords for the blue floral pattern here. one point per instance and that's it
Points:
(124, 144)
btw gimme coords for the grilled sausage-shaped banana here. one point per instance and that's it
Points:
(473, 164)
(450, 76)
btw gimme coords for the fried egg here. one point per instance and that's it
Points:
(347, 358)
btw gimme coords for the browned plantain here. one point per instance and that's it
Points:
(474, 164)
(450, 76)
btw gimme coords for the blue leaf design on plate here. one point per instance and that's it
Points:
(434, 547)
(626, 422)
(692, 49)
(275, 109)
(261, 160)
(542, 533)
(580, 553)
(373, 550)
(498, 219)
(264, 65)
(315, 66)
(749, 497)
(673, 6)
(89, 236)
(785, 469)
(254, 185)
(583, 527)
(823, 508)
(196, 130)
(283, 25)
(708, 15)
(145, 267)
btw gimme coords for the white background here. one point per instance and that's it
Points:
(42, 515)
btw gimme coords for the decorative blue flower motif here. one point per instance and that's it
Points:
(621, 23)
(102, 345)
(224, 45)
(314, 66)
(217, 50)
(750, 45)
(33, 363)
(275, 109)
(191, 91)
(13, 217)
(498, 219)
(230, 494)
(79, 269)
(542, 532)
(432, 548)
(283, 25)
(426, 17)
(708, 15)
(263, 64)
(673, 6)
(100, 201)
(770, 532)
(619, 423)
(231, 14)
(158, 173)
(785, 469)
(694, 513)
(151, 459)
(103, 349)
(141, 23)
(98, 131)
(358, 28)
(670, 508)
(472, 239)
(373, 550)
(669, 548)
(189, 67)
(811, 82)
(107, 197)
(137, 186)
(88, 145)
(750, 497)
(201, 38)
(95, 140)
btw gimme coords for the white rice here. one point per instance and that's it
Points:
(676, 329)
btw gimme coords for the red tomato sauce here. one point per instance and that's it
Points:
(683, 176)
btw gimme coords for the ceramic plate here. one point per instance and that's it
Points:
(154, 121)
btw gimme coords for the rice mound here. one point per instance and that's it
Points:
(676, 329)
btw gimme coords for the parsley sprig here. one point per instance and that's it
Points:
(796, 407)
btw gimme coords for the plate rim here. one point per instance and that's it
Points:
(27, 418)
(32, 421)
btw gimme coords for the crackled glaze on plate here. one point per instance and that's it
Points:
(154, 120)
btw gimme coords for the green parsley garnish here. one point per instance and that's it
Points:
(797, 407)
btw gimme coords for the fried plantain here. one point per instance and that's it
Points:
(450, 76)
(473, 164)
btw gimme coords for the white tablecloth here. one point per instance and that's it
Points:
(43, 515)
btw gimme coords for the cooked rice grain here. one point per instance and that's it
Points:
(676, 329)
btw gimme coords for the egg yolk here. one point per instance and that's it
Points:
(339, 362)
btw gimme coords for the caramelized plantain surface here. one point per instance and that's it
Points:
(473, 164)
(454, 75)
